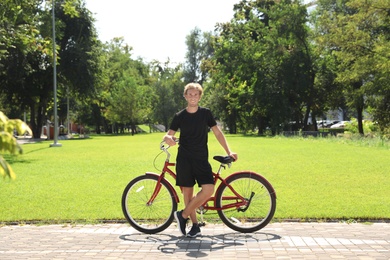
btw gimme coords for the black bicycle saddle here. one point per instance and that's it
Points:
(223, 159)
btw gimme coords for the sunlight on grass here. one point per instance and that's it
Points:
(84, 179)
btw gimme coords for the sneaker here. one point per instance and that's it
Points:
(181, 222)
(195, 231)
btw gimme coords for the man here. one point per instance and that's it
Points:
(192, 165)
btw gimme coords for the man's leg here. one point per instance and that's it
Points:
(204, 194)
(188, 194)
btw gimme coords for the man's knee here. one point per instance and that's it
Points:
(208, 189)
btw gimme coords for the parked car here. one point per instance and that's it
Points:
(326, 123)
(340, 124)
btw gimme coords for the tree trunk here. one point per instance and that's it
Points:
(314, 121)
(35, 130)
(261, 127)
(306, 118)
(231, 122)
(359, 108)
(36, 120)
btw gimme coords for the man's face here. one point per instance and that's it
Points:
(193, 97)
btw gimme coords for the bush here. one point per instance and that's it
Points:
(8, 143)
(369, 127)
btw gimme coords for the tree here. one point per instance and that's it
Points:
(18, 26)
(79, 50)
(263, 60)
(199, 49)
(357, 34)
(168, 90)
(28, 63)
(124, 95)
(129, 103)
(22, 49)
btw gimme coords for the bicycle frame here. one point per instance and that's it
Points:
(162, 178)
(239, 200)
(245, 201)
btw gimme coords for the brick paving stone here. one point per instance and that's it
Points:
(285, 240)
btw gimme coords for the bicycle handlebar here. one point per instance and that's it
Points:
(163, 147)
(222, 159)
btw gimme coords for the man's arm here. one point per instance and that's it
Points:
(222, 140)
(169, 137)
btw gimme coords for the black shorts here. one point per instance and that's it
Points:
(190, 171)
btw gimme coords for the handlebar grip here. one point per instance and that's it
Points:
(162, 147)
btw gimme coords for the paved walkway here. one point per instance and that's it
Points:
(119, 241)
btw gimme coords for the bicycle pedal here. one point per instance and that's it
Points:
(202, 224)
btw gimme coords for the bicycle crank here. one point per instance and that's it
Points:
(201, 210)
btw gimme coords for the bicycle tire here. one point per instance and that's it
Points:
(153, 218)
(261, 207)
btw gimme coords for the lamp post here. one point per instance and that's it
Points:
(55, 144)
(67, 110)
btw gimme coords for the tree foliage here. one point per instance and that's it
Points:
(168, 91)
(8, 143)
(27, 60)
(356, 34)
(199, 49)
(123, 94)
(263, 58)
(269, 68)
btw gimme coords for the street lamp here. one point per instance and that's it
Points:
(55, 144)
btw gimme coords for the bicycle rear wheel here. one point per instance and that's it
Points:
(260, 201)
(143, 215)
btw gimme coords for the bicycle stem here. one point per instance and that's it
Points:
(165, 150)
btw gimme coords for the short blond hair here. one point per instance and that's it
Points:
(193, 85)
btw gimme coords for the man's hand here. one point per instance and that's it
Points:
(233, 155)
(170, 140)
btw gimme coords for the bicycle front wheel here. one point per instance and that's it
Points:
(145, 213)
(257, 208)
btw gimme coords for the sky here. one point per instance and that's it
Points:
(157, 29)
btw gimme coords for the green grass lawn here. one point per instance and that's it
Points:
(83, 180)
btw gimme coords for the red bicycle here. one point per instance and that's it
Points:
(245, 201)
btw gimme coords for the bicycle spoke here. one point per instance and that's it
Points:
(144, 214)
(259, 203)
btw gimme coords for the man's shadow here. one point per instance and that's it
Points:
(200, 246)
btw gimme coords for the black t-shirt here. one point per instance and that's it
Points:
(194, 128)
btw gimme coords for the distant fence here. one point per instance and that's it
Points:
(313, 133)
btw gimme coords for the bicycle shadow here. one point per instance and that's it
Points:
(200, 246)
